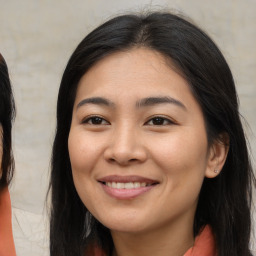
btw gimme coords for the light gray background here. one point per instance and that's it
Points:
(38, 37)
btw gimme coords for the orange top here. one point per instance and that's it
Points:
(6, 238)
(204, 245)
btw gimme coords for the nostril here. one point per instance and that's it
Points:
(122, 161)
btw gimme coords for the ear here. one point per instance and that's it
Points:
(217, 155)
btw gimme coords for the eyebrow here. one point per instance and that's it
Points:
(145, 102)
(95, 101)
(150, 101)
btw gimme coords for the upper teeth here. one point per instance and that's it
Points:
(128, 185)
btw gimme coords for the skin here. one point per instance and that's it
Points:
(128, 140)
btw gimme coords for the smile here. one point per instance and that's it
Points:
(126, 187)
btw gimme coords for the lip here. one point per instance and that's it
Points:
(130, 178)
(125, 194)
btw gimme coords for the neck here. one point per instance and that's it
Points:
(166, 241)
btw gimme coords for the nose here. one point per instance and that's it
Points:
(125, 147)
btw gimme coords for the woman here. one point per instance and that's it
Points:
(7, 112)
(150, 156)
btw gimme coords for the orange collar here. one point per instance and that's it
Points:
(204, 244)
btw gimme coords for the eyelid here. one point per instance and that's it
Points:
(90, 117)
(168, 119)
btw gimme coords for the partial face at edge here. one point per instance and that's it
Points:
(135, 121)
(1, 149)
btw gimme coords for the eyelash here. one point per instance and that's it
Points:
(98, 119)
(89, 120)
(163, 121)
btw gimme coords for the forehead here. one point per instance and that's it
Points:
(133, 69)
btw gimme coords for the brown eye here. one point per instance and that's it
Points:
(159, 121)
(95, 120)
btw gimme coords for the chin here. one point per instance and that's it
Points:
(127, 228)
(126, 225)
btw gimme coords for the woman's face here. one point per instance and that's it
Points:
(137, 144)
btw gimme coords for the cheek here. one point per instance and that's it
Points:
(80, 163)
(183, 162)
(82, 158)
(181, 157)
(83, 151)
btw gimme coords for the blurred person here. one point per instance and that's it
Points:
(7, 112)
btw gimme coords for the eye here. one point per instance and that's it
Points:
(158, 120)
(95, 120)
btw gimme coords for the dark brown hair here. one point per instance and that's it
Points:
(7, 113)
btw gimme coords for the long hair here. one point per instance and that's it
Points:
(7, 113)
(225, 201)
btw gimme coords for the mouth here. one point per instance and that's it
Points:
(126, 187)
